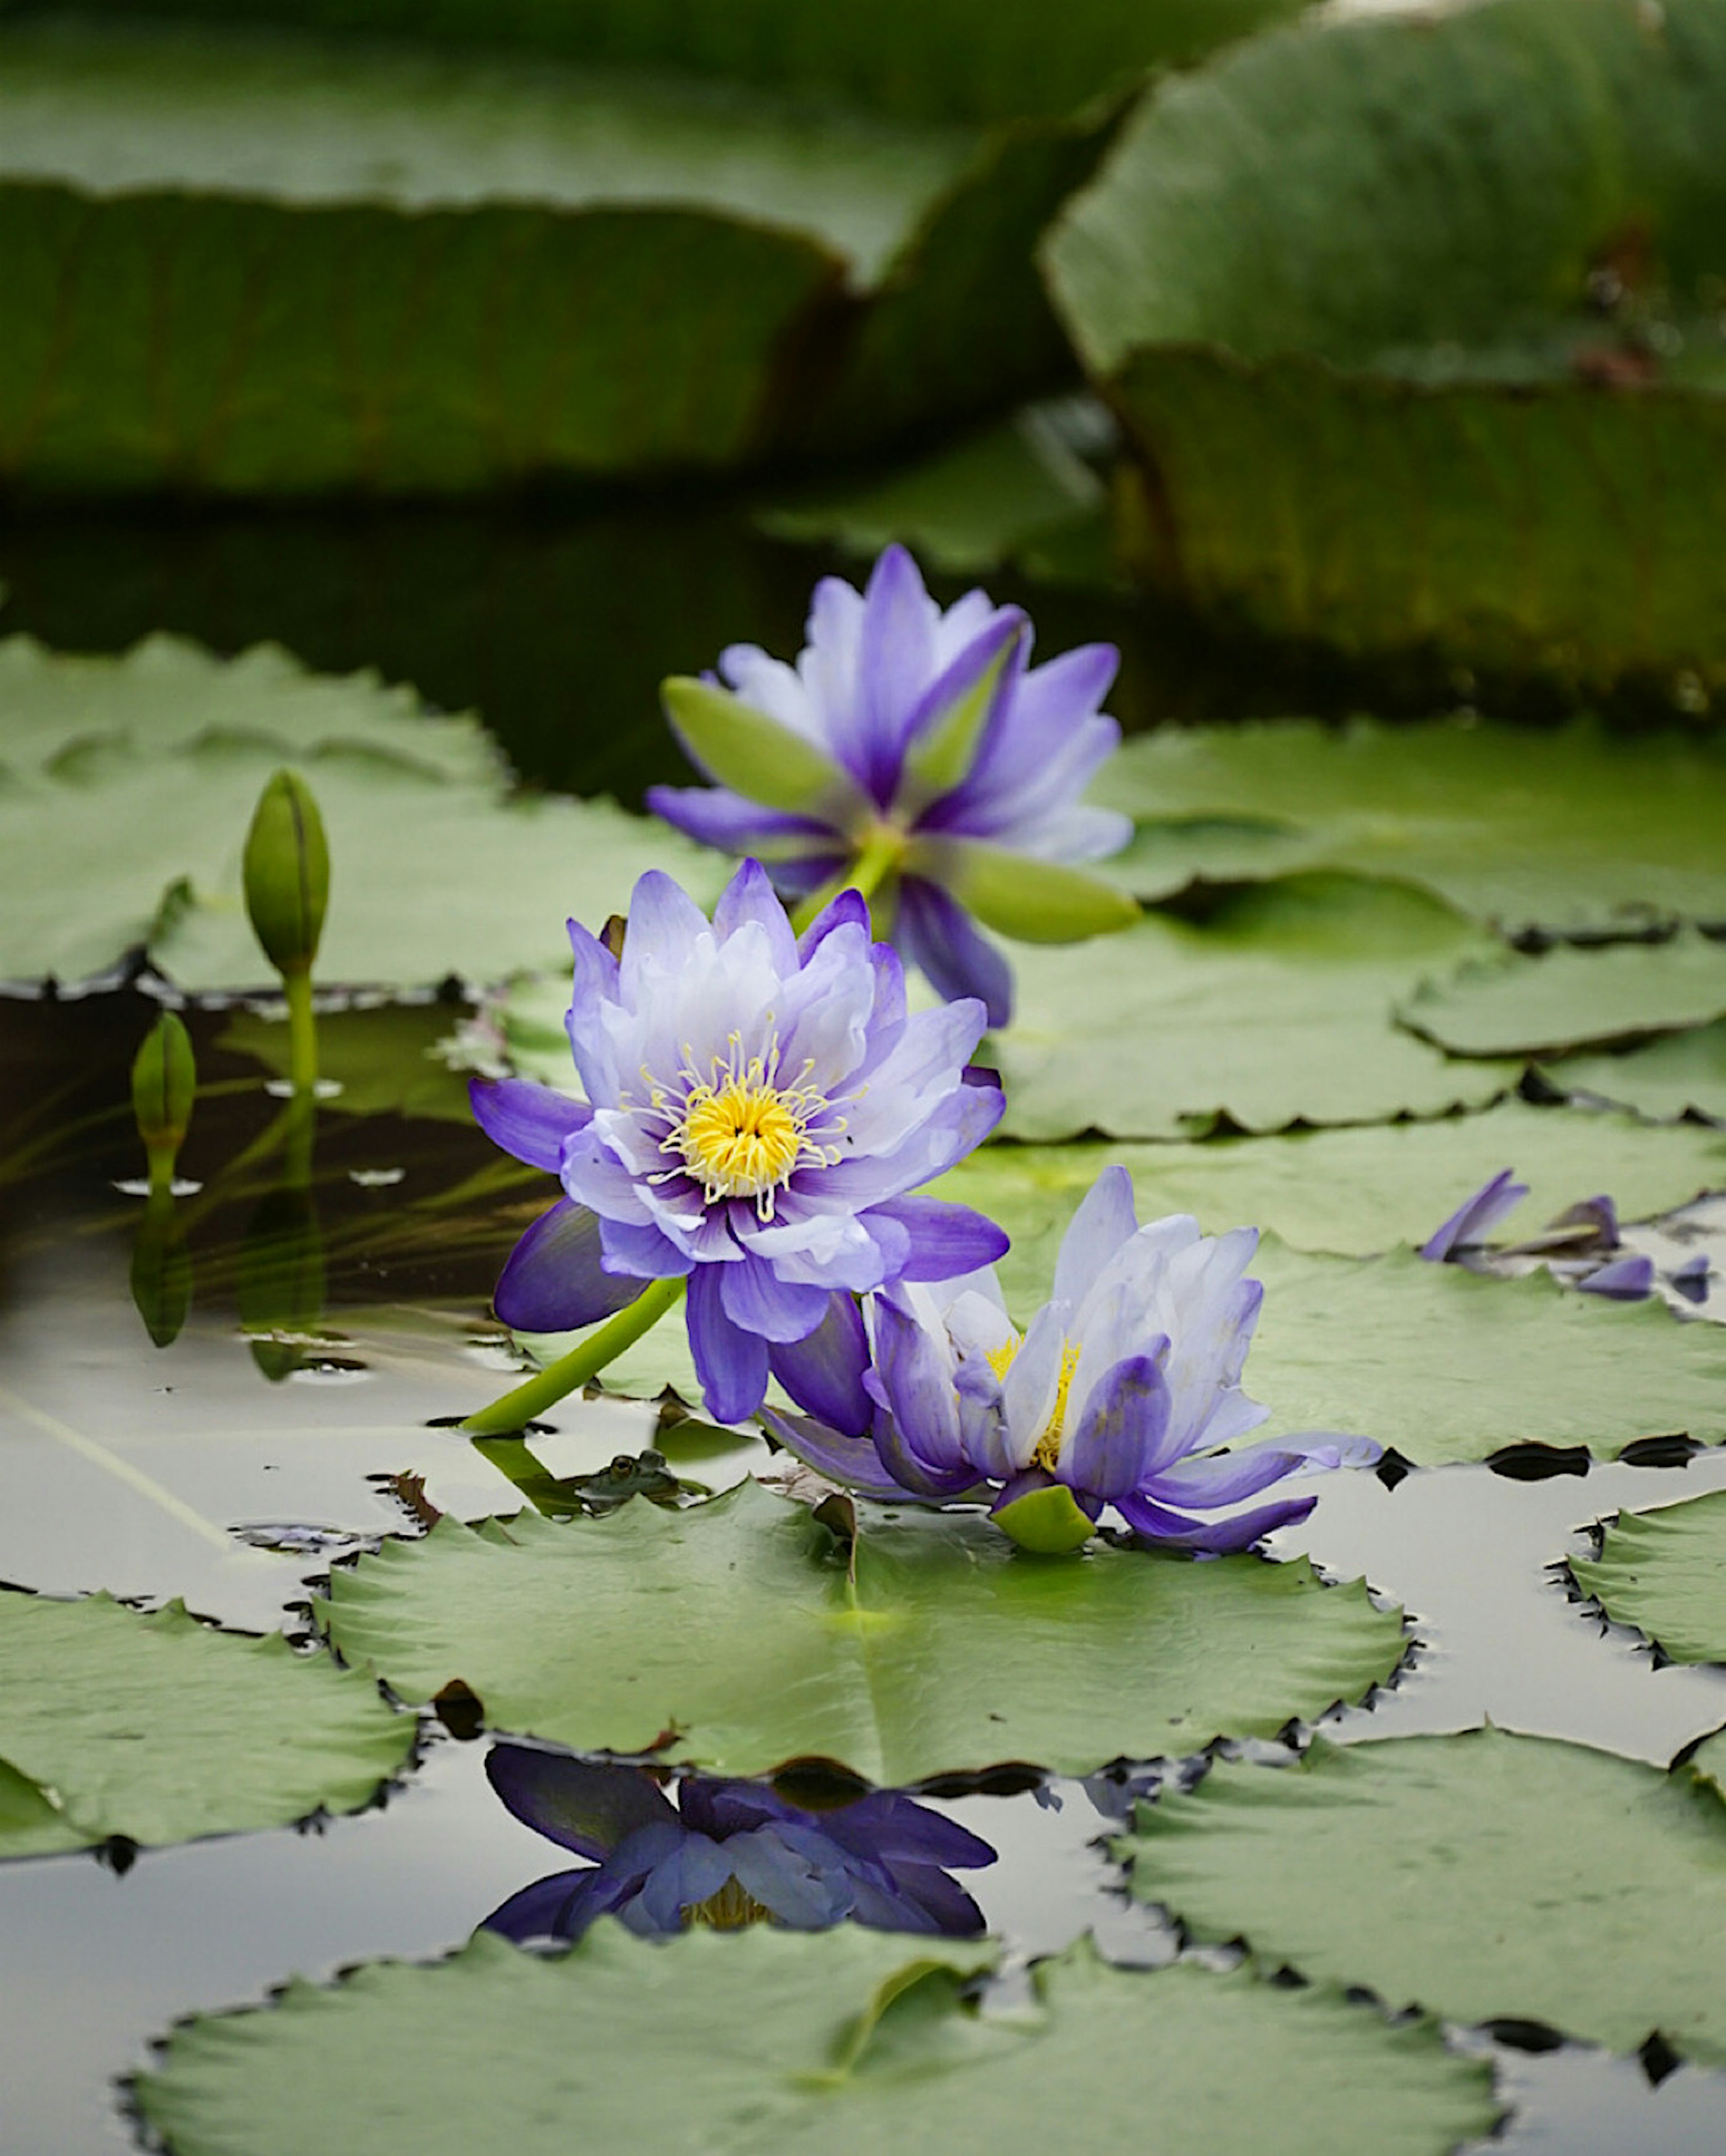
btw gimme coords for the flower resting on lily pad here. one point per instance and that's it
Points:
(759, 1107)
(1111, 1396)
(914, 753)
(727, 1854)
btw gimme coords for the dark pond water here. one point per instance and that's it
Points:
(234, 1470)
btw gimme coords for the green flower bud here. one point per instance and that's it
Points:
(164, 1082)
(287, 873)
(162, 1271)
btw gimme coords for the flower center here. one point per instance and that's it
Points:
(729, 1910)
(742, 1133)
(1047, 1449)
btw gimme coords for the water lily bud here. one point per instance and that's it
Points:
(164, 1082)
(287, 873)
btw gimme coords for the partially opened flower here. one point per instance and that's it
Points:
(913, 753)
(758, 1109)
(1114, 1393)
(726, 1854)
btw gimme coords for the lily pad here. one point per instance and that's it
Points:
(1569, 997)
(1448, 1364)
(386, 1060)
(1353, 1192)
(772, 2041)
(160, 1729)
(1685, 1075)
(267, 263)
(1489, 1876)
(1277, 1009)
(1665, 1572)
(1405, 313)
(734, 1634)
(1573, 830)
(144, 771)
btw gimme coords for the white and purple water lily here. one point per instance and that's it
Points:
(1114, 1394)
(727, 1854)
(915, 754)
(759, 1107)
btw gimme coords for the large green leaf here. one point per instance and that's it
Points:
(1449, 1364)
(735, 1630)
(1354, 1192)
(159, 1729)
(1568, 997)
(1485, 1876)
(1666, 1078)
(1278, 1008)
(270, 264)
(1571, 830)
(1665, 1572)
(1405, 315)
(127, 786)
(765, 2040)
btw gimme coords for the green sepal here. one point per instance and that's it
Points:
(1035, 901)
(1052, 1522)
(164, 1083)
(287, 873)
(753, 754)
(942, 755)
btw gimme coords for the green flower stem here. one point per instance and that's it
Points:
(876, 863)
(584, 1361)
(302, 1029)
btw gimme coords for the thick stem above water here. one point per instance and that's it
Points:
(518, 1408)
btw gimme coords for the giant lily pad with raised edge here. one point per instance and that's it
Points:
(1279, 1009)
(1569, 997)
(1448, 1364)
(266, 263)
(161, 1729)
(770, 2041)
(1405, 312)
(1665, 1572)
(737, 1635)
(1488, 1876)
(144, 770)
(1356, 1192)
(1571, 830)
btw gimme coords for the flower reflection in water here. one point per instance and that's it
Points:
(726, 1853)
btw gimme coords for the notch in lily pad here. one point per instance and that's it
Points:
(287, 892)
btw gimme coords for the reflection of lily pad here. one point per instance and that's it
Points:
(251, 264)
(1665, 1572)
(1672, 1077)
(734, 1631)
(1448, 1364)
(1573, 829)
(761, 2042)
(386, 1060)
(1408, 314)
(1488, 1875)
(160, 1729)
(1515, 1005)
(1278, 1008)
(1353, 1192)
(144, 771)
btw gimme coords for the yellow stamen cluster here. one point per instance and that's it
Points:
(740, 1132)
(1047, 1449)
(729, 1910)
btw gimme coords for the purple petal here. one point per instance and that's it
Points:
(639, 1249)
(916, 1389)
(665, 925)
(853, 1462)
(1598, 1213)
(824, 1371)
(758, 1301)
(946, 1240)
(749, 897)
(962, 674)
(911, 1475)
(559, 1908)
(587, 1808)
(1624, 1280)
(1474, 1218)
(1105, 1220)
(893, 662)
(731, 1364)
(717, 817)
(1121, 1427)
(848, 910)
(554, 1280)
(1213, 1537)
(938, 935)
(1029, 1480)
(531, 1122)
(1229, 1476)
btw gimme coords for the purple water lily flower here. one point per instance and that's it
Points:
(758, 1106)
(1114, 1394)
(727, 1854)
(914, 749)
(1474, 1218)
